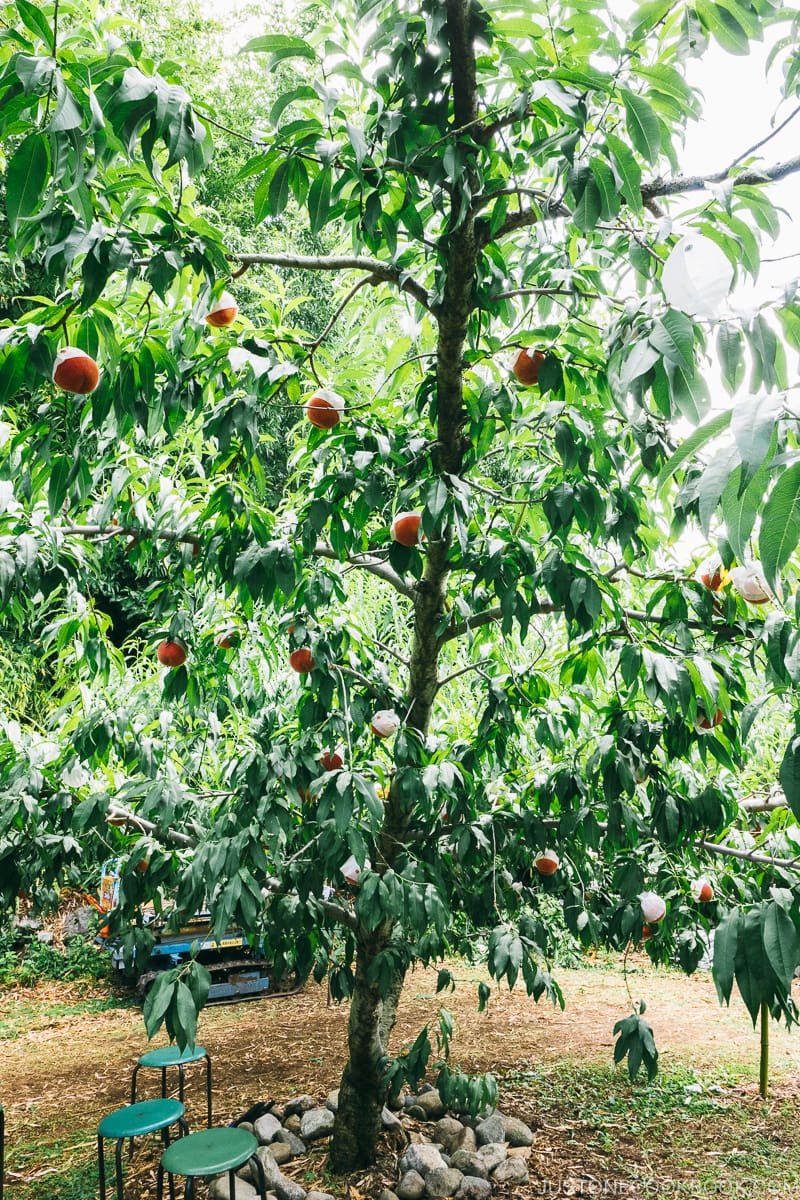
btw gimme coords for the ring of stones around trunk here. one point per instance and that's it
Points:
(266, 1128)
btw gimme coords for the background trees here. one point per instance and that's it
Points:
(470, 185)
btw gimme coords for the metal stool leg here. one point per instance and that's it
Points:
(101, 1166)
(181, 1081)
(118, 1167)
(133, 1083)
(232, 1185)
(262, 1179)
(163, 1083)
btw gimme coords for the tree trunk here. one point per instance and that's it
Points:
(362, 1091)
(372, 1017)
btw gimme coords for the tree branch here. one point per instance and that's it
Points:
(378, 272)
(698, 183)
(749, 855)
(117, 815)
(366, 562)
(109, 531)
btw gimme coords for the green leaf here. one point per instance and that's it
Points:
(687, 449)
(280, 46)
(724, 27)
(35, 20)
(642, 125)
(26, 179)
(726, 937)
(789, 775)
(278, 193)
(780, 524)
(589, 206)
(158, 1001)
(752, 423)
(607, 189)
(629, 171)
(319, 200)
(781, 944)
(673, 336)
(731, 355)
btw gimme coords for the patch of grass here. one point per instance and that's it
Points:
(27, 1014)
(702, 1133)
(66, 1168)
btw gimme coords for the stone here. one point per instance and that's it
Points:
(292, 1123)
(523, 1152)
(281, 1152)
(283, 1187)
(46, 937)
(431, 1104)
(316, 1123)
(221, 1189)
(411, 1186)
(415, 1111)
(517, 1132)
(421, 1157)
(389, 1120)
(291, 1140)
(333, 1100)
(78, 922)
(448, 1131)
(314, 1195)
(493, 1154)
(386, 1194)
(473, 1187)
(469, 1163)
(513, 1170)
(266, 1128)
(298, 1105)
(491, 1130)
(444, 1181)
(467, 1140)
(246, 1125)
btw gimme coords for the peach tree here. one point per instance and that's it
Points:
(516, 346)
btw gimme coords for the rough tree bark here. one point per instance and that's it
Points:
(363, 1093)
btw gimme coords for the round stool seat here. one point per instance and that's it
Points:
(171, 1056)
(147, 1116)
(209, 1152)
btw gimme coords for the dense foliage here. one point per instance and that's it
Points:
(476, 183)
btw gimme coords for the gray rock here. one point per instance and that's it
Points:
(491, 1130)
(333, 1101)
(469, 1163)
(78, 922)
(517, 1132)
(389, 1120)
(415, 1111)
(431, 1104)
(221, 1189)
(291, 1140)
(468, 1141)
(444, 1181)
(283, 1187)
(266, 1128)
(388, 1195)
(474, 1188)
(411, 1186)
(448, 1131)
(292, 1123)
(493, 1154)
(409, 1100)
(313, 1195)
(299, 1105)
(421, 1157)
(281, 1152)
(46, 937)
(246, 1125)
(513, 1170)
(523, 1152)
(316, 1123)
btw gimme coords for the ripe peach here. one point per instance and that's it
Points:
(405, 528)
(546, 863)
(527, 365)
(704, 723)
(74, 371)
(325, 408)
(751, 584)
(332, 760)
(172, 652)
(385, 722)
(712, 574)
(702, 891)
(301, 660)
(222, 312)
(654, 909)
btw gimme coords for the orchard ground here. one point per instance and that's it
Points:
(700, 1130)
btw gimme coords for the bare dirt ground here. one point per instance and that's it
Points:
(62, 1073)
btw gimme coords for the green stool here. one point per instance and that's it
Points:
(210, 1152)
(148, 1116)
(171, 1056)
